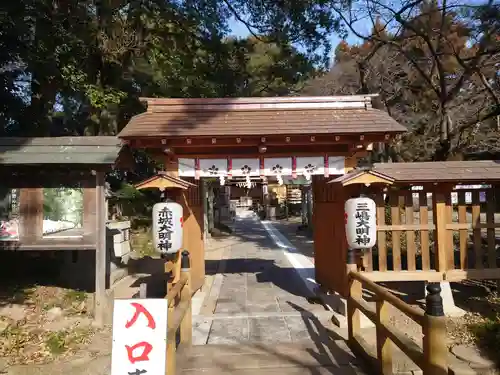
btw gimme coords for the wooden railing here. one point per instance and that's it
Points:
(431, 238)
(179, 314)
(431, 358)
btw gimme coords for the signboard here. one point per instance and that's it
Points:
(9, 214)
(360, 223)
(139, 336)
(9, 230)
(167, 227)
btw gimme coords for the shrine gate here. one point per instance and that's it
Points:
(253, 138)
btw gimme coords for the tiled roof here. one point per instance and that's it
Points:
(428, 172)
(59, 150)
(260, 116)
(442, 171)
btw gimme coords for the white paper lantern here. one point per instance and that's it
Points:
(361, 223)
(167, 227)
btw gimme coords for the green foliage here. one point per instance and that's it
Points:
(142, 242)
(63, 204)
(80, 67)
(128, 192)
(72, 296)
(95, 59)
(56, 342)
(52, 205)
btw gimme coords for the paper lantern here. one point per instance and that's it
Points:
(167, 227)
(360, 223)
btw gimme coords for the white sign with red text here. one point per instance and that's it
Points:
(139, 336)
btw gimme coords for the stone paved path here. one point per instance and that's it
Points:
(259, 318)
(261, 297)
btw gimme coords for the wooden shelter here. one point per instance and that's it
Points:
(164, 181)
(436, 221)
(53, 197)
(258, 138)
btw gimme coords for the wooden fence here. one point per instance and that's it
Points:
(179, 314)
(423, 235)
(431, 357)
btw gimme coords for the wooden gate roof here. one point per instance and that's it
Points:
(260, 116)
(442, 171)
(477, 171)
(103, 150)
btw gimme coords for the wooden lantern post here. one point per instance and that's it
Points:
(169, 184)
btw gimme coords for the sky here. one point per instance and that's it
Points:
(239, 30)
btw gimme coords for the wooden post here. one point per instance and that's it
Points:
(171, 341)
(434, 329)
(143, 290)
(353, 314)
(171, 269)
(396, 234)
(384, 349)
(424, 234)
(351, 266)
(381, 235)
(477, 237)
(440, 215)
(187, 320)
(100, 303)
(177, 267)
(355, 291)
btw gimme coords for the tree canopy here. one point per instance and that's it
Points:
(78, 67)
(435, 66)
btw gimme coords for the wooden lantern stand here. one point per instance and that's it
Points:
(166, 181)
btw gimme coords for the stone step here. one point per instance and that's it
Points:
(279, 358)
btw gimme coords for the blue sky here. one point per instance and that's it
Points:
(239, 30)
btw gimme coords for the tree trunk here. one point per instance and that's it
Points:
(443, 150)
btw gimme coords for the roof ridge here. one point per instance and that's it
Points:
(258, 99)
(274, 121)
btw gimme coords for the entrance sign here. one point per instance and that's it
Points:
(360, 223)
(167, 227)
(139, 336)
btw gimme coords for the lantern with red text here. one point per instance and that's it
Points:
(360, 223)
(167, 227)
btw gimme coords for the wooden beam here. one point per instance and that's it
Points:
(472, 274)
(255, 140)
(46, 245)
(253, 152)
(100, 299)
(379, 276)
